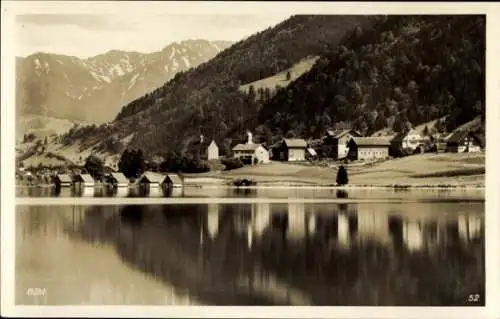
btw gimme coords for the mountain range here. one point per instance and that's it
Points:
(94, 89)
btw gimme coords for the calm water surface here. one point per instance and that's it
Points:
(252, 254)
(461, 194)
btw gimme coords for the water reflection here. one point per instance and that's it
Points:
(277, 254)
(262, 192)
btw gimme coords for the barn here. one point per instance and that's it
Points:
(338, 140)
(368, 148)
(290, 149)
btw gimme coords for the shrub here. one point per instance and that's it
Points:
(232, 163)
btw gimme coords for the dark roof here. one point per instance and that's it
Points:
(371, 141)
(342, 132)
(458, 136)
(295, 142)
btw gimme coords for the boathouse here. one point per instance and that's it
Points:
(151, 179)
(63, 180)
(173, 180)
(118, 180)
(84, 180)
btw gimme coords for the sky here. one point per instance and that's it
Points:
(85, 35)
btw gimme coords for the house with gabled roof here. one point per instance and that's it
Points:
(463, 141)
(63, 180)
(118, 180)
(290, 149)
(251, 152)
(338, 140)
(173, 180)
(368, 148)
(151, 179)
(84, 180)
(407, 141)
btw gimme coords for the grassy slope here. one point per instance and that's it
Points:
(280, 78)
(425, 169)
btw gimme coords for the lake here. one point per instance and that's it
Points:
(424, 252)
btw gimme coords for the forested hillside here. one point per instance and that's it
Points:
(403, 69)
(372, 72)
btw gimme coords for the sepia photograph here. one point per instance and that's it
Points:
(249, 154)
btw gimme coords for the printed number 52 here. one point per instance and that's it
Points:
(473, 298)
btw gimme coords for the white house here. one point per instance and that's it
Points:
(255, 153)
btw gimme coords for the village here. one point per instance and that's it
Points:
(337, 147)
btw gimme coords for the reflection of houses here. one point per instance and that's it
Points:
(290, 149)
(469, 227)
(63, 180)
(343, 230)
(413, 235)
(118, 180)
(365, 148)
(84, 180)
(463, 142)
(213, 220)
(372, 225)
(338, 139)
(261, 216)
(297, 226)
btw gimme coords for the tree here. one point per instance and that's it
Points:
(94, 166)
(426, 130)
(131, 163)
(342, 178)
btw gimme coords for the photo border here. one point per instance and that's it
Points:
(12, 8)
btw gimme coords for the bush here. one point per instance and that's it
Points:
(243, 182)
(232, 163)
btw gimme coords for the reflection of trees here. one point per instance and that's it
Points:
(165, 242)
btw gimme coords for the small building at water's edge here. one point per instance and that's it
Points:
(63, 180)
(118, 180)
(84, 180)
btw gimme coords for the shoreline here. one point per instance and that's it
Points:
(298, 185)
